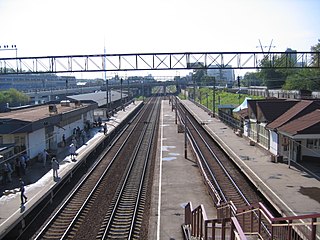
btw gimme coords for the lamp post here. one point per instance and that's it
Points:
(214, 97)
(121, 81)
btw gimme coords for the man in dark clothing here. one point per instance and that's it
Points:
(105, 128)
(22, 189)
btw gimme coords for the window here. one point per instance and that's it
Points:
(313, 143)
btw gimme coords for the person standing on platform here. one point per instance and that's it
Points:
(5, 173)
(72, 151)
(22, 164)
(10, 171)
(64, 140)
(55, 167)
(22, 190)
(105, 128)
(17, 167)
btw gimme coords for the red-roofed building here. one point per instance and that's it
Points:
(289, 129)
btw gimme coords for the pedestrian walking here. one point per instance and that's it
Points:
(55, 167)
(72, 151)
(22, 190)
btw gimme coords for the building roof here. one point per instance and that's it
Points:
(99, 97)
(301, 108)
(268, 111)
(36, 117)
(307, 124)
(35, 113)
(252, 105)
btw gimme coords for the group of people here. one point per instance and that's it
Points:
(21, 162)
(19, 167)
(55, 167)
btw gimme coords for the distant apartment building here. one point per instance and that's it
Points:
(224, 76)
(32, 82)
(292, 55)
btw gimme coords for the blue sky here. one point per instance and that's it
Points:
(62, 27)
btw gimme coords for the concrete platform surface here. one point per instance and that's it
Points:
(177, 181)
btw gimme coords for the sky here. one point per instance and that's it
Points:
(66, 27)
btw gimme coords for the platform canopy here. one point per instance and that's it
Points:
(243, 105)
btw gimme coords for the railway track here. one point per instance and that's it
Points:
(227, 181)
(88, 212)
(124, 216)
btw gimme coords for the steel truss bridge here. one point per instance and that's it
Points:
(159, 61)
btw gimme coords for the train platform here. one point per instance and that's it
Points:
(177, 181)
(39, 179)
(292, 191)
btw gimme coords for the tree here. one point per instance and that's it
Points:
(251, 79)
(316, 48)
(13, 97)
(273, 77)
(304, 79)
(199, 73)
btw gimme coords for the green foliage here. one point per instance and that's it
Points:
(198, 75)
(13, 97)
(221, 97)
(251, 79)
(289, 79)
(316, 48)
(273, 78)
(306, 79)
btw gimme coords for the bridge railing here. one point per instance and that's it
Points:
(291, 228)
(254, 220)
(203, 228)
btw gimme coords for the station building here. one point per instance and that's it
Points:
(288, 129)
(35, 128)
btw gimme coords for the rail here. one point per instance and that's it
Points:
(123, 221)
(63, 226)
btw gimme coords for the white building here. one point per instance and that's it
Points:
(33, 129)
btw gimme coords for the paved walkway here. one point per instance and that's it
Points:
(177, 181)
